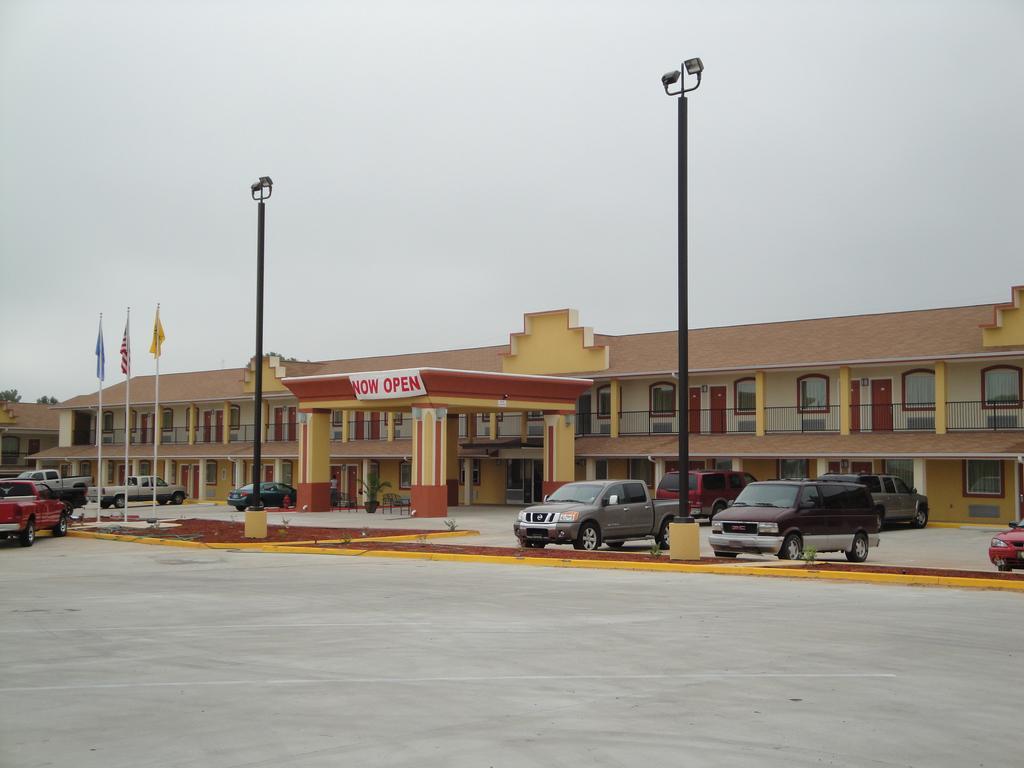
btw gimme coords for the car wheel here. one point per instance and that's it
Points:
(726, 554)
(178, 498)
(792, 547)
(119, 502)
(663, 534)
(858, 553)
(240, 507)
(716, 509)
(61, 528)
(920, 518)
(28, 536)
(589, 537)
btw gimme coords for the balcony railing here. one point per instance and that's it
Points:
(14, 459)
(977, 415)
(793, 419)
(891, 417)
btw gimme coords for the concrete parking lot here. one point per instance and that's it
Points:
(122, 655)
(928, 548)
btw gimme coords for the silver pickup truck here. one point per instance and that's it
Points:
(591, 512)
(139, 488)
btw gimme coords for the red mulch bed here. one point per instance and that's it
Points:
(223, 532)
(897, 569)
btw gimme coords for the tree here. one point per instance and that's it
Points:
(48, 400)
(10, 395)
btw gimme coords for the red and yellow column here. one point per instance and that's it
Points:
(431, 452)
(314, 461)
(559, 451)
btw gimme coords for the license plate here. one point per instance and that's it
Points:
(537, 533)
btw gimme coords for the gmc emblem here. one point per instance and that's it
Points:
(740, 528)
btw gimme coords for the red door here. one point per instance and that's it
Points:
(718, 409)
(268, 473)
(359, 422)
(861, 467)
(855, 405)
(291, 423)
(881, 405)
(694, 409)
(183, 471)
(834, 466)
(278, 424)
(350, 483)
(120, 474)
(375, 426)
(195, 481)
(220, 427)
(206, 426)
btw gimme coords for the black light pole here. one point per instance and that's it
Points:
(692, 67)
(261, 191)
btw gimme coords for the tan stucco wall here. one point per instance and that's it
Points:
(946, 500)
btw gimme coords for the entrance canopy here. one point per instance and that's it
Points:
(458, 391)
(434, 396)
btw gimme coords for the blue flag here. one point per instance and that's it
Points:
(101, 356)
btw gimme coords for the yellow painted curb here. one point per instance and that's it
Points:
(255, 544)
(979, 526)
(616, 565)
(727, 570)
(356, 540)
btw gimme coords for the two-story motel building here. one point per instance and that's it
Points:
(934, 396)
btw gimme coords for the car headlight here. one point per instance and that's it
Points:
(522, 516)
(716, 527)
(999, 543)
(568, 517)
(767, 527)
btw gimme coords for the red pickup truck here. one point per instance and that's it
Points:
(26, 507)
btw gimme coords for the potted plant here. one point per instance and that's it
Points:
(372, 486)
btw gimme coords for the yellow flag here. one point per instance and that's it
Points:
(158, 335)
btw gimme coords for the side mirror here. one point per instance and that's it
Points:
(545, 499)
(1014, 524)
(613, 499)
(913, 490)
(729, 503)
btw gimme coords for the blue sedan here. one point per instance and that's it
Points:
(271, 495)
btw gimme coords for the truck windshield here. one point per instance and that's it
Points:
(584, 493)
(767, 495)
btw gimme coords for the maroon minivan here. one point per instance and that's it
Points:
(711, 490)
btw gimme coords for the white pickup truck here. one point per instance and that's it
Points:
(139, 488)
(69, 489)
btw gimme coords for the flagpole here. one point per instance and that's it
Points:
(100, 364)
(127, 406)
(156, 414)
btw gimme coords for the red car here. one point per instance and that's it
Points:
(711, 490)
(26, 507)
(1006, 550)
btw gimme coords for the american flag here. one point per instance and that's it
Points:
(126, 352)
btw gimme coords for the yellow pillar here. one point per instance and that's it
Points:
(844, 400)
(940, 397)
(559, 451)
(616, 405)
(493, 421)
(429, 462)
(391, 426)
(314, 487)
(193, 414)
(226, 437)
(344, 426)
(759, 403)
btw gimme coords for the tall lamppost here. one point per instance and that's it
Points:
(692, 67)
(261, 191)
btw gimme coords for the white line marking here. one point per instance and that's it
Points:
(193, 627)
(443, 679)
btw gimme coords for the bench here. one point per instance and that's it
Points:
(392, 500)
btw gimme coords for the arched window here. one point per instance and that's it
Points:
(744, 395)
(108, 421)
(234, 416)
(812, 392)
(1000, 386)
(663, 399)
(11, 449)
(167, 419)
(919, 390)
(604, 401)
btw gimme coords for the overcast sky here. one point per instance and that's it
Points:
(442, 167)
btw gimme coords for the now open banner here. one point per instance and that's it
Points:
(387, 385)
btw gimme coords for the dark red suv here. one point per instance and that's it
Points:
(710, 489)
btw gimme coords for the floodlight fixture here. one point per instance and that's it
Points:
(262, 189)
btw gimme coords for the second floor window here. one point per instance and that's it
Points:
(167, 418)
(813, 392)
(604, 401)
(919, 389)
(1001, 386)
(235, 416)
(663, 399)
(746, 396)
